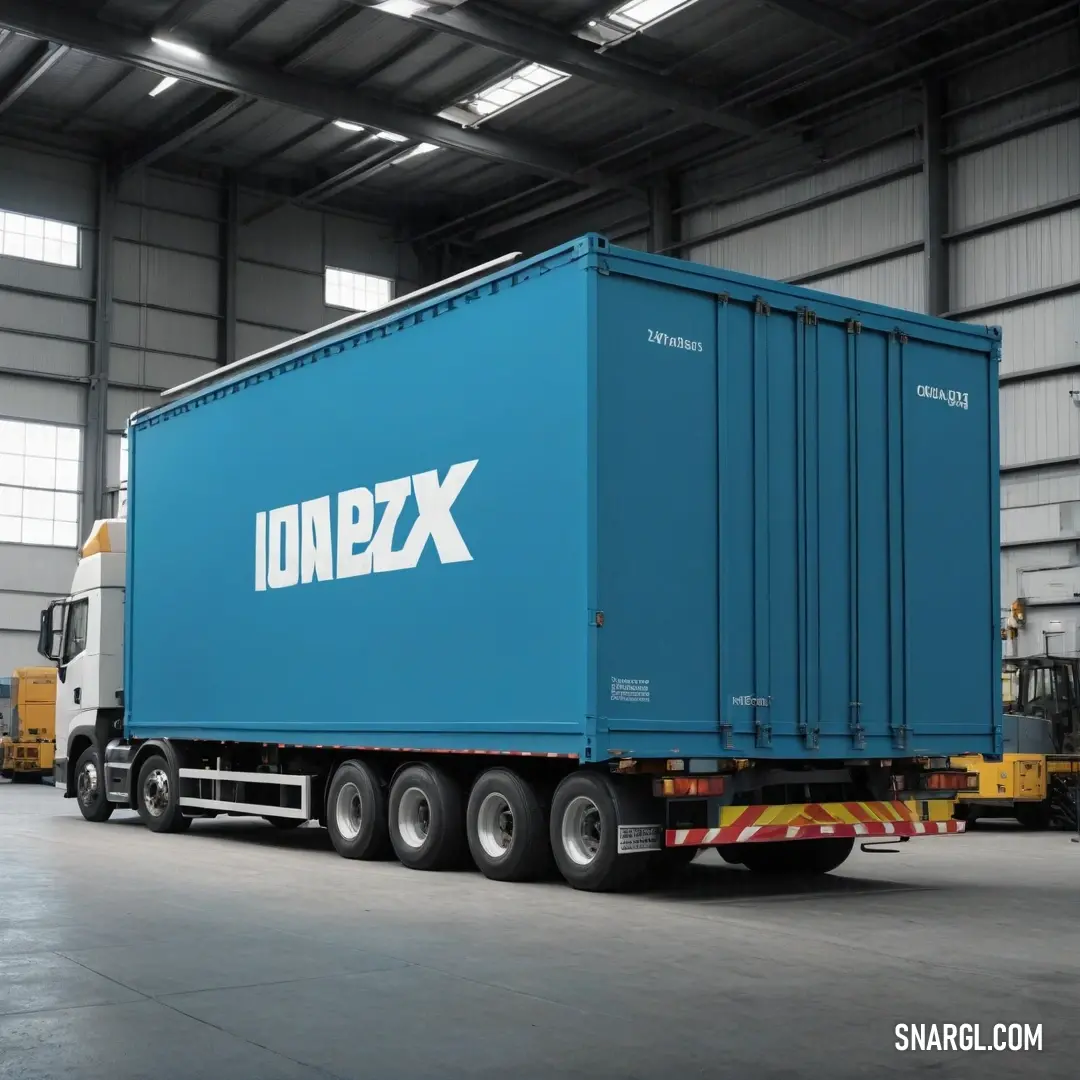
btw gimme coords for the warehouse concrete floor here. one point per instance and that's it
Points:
(237, 951)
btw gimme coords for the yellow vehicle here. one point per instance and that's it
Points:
(1036, 779)
(26, 752)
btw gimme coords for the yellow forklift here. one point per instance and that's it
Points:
(1037, 780)
(26, 751)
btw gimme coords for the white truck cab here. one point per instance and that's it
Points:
(83, 634)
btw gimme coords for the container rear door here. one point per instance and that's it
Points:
(857, 534)
(796, 522)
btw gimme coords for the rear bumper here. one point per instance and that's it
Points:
(812, 821)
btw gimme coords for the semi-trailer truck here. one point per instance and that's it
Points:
(595, 558)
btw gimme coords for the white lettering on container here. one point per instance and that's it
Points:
(670, 341)
(295, 544)
(630, 690)
(955, 399)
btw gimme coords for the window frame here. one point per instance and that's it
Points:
(390, 288)
(74, 609)
(25, 486)
(45, 223)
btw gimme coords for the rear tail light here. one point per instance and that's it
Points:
(681, 786)
(951, 780)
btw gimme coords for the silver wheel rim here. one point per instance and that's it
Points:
(348, 811)
(414, 818)
(88, 783)
(156, 793)
(495, 825)
(581, 830)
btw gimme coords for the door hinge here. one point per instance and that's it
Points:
(723, 297)
(596, 618)
(762, 733)
(810, 736)
(900, 737)
(761, 307)
(726, 739)
(808, 317)
(900, 336)
(858, 734)
(854, 326)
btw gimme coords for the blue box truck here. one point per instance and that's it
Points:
(594, 558)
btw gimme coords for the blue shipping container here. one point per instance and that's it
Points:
(600, 503)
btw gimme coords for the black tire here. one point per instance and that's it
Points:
(1033, 816)
(356, 812)
(285, 824)
(427, 819)
(586, 813)
(90, 786)
(508, 827)
(797, 857)
(156, 797)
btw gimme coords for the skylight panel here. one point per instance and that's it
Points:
(637, 14)
(524, 83)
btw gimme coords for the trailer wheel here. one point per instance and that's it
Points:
(427, 819)
(802, 857)
(585, 817)
(156, 797)
(356, 813)
(90, 786)
(507, 827)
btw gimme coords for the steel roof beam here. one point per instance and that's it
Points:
(538, 42)
(215, 110)
(42, 57)
(849, 29)
(179, 14)
(254, 19)
(838, 24)
(65, 23)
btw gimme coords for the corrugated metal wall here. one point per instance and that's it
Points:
(166, 318)
(1013, 241)
(855, 227)
(1015, 261)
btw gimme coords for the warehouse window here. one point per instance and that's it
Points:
(39, 483)
(357, 292)
(26, 237)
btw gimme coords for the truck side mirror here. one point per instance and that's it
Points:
(50, 631)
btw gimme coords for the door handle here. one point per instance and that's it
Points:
(78, 695)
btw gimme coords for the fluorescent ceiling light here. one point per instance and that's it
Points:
(405, 8)
(169, 80)
(390, 136)
(637, 14)
(348, 125)
(504, 94)
(416, 151)
(176, 47)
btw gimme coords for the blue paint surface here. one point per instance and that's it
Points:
(784, 534)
